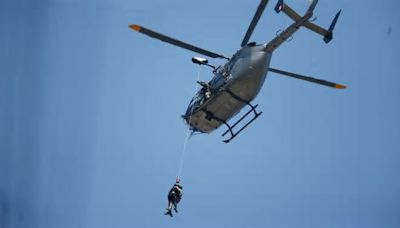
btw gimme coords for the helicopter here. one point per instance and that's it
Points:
(236, 83)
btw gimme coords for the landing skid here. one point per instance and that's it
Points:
(231, 128)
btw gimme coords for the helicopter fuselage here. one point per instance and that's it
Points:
(232, 87)
(237, 82)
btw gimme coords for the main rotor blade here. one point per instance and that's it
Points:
(309, 79)
(254, 22)
(175, 42)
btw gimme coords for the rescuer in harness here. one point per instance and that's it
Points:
(174, 196)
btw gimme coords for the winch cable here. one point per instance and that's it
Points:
(187, 136)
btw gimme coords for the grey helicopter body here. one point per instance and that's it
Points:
(232, 86)
(236, 83)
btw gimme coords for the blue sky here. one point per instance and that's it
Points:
(91, 134)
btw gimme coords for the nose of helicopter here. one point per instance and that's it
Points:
(187, 113)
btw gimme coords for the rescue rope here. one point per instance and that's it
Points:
(187, 136)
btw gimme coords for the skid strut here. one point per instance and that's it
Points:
(230, 128)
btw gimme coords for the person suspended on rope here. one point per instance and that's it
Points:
(174, 196)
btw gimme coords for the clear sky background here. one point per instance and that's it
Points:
(91, 133)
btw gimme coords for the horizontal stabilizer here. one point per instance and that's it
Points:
(279, 6)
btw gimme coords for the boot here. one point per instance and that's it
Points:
(169, 212)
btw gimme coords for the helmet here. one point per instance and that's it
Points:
(178, 180)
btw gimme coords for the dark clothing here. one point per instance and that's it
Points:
(174, 196)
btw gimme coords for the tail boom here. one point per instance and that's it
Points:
(301, 21)
(289, 31)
